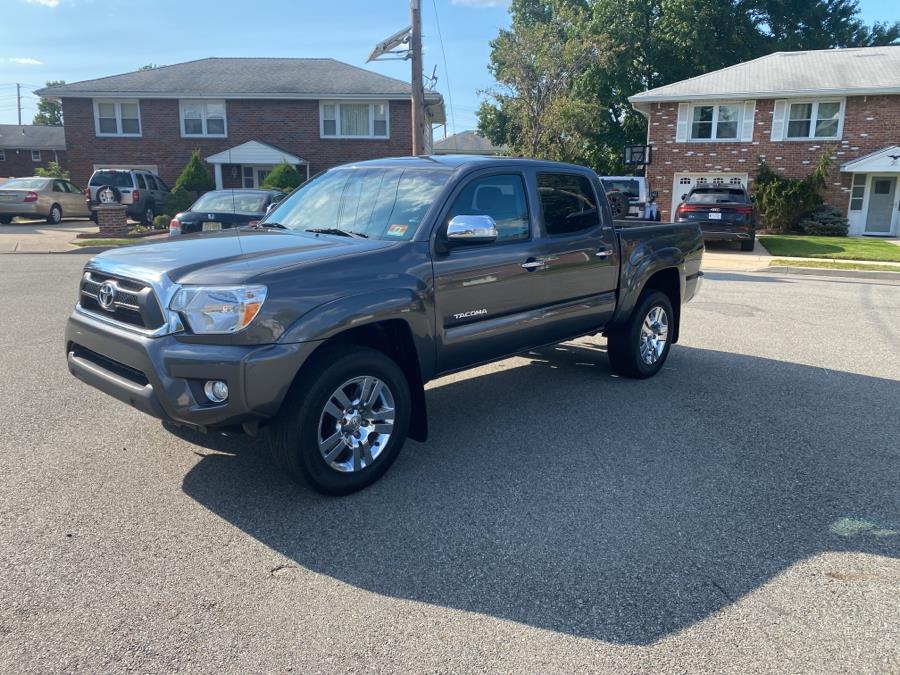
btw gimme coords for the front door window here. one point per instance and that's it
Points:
(881, 205)
(248, 177)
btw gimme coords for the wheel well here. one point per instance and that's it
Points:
(668, 282)
(395, 339)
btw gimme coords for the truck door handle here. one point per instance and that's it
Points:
(604, 252)
(533, 264)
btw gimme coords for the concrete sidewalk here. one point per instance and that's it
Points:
(38, 237)
(728, 257)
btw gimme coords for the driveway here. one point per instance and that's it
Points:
(737, 513)
(36, 236)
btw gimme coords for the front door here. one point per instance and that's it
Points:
(881, 205)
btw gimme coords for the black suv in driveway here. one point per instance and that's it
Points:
(723, 212)
(142, 192)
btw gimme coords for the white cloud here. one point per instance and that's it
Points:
(473, 3)
(45, 3)
(25, 61)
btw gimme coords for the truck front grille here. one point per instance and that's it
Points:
(134, 302)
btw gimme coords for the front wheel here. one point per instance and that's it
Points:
(55, 215)
(345, 422)
(640, 347)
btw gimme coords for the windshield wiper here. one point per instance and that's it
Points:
(278, 225)
(335, 230)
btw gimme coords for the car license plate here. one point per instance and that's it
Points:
(715, 216)
(212, 227)
(7, 198)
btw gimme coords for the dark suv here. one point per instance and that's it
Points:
(724, 213)
(142, 192)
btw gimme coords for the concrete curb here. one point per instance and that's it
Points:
(825, 272)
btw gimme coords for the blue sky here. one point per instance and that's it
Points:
(81, 39)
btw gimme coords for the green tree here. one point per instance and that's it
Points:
(789, 25)
(53, 170)
(195, 177)
(178, 200)
(283, 177)
(49, 112)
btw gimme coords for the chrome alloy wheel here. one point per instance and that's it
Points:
(356, 424)
(654, 334)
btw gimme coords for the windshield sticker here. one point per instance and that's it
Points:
(397, 230)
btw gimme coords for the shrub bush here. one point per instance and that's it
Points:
(825, 221)
(139, 229)
(283, 177)
(194, 177)
(781, 202)
(53, 170)
(161, 222)
(178, 200)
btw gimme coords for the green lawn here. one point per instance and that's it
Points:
(833, 265)
(846, 248)
(106, 242)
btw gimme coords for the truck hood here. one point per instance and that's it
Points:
(229, 257)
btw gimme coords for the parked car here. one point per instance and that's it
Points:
(724, 213)
(225, 209)
(143, 192)
(50, 198)
(364, 284)
(640, 200)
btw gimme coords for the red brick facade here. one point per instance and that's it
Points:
(870, 123)
(18, 162)
(290, 125)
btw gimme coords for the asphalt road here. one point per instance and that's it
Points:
(738, 513)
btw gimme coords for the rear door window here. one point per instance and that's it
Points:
(141, 183)
(568, 202)
(501, 197)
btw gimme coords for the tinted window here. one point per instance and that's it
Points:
(151, 182)
(720, 196)
(162, 184)
(568, 202)
(58, 186)
(231, 202)
(71, 188)
(382, 203)
(117, 179)
(25, 184)
(500, 197)
(629, 187)
(141, 183)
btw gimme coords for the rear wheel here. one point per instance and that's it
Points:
(748, 244)
(148, 216)
(345, 421)
(5, 220)
(640, 347)
(55, 215)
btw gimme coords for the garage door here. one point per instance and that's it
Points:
(685, 181)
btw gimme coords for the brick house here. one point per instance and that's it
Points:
(24, 147)
(787, 108)
(244, 115)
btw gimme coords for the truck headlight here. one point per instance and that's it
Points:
(218, 309)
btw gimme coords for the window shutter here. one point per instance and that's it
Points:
(778, 120)
(747, 120)
(681, 129)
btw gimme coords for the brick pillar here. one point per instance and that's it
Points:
(112, 220)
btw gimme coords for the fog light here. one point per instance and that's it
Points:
(216, 391)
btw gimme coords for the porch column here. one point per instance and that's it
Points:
(218, 169)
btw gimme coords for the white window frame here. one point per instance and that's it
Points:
(36, 159)
(814, 116)
(337, 119)
(203, 116)
(117, 102)
(715, 122)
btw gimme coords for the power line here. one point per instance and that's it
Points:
(437, 22)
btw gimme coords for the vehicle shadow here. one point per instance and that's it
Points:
(554, 494)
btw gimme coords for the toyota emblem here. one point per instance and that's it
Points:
(106, 296)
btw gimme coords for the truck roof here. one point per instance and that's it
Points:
(453, 162)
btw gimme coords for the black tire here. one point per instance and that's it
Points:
(294, 437)
(148, 215)
(748, 244)
(624, 342)
(116, 195)
(5, 220)
(56, 215)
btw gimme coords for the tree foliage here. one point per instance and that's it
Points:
(52, 170)
(782, 202)
(195, 177)
(283, 177)
(49, 112)
(565, 68)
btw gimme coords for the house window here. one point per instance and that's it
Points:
(35, 155)
(857, 192)
(203, 118)
(117, 118)
(814, 119)
(2, 155)
(354, 120)
(715, 122)
(248, 177)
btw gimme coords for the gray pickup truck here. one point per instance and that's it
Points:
(325, 321)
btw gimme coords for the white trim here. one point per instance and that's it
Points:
(895, 212)
(815, 102)
(715, 105)
(38, 156)
(337, 119)
(872, 161)
(748, 117)
(681, 129)
(239, 155)
(204, 116)
(117, 102)
(742, 95)
(217, 169)
(778, 115)
(429, 100)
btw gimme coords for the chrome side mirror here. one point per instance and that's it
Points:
(463, 230)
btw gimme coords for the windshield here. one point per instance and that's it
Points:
(231, 202)
(629, 187)
(721, 196)
(117, 179)
(379, 202)
(25, 184)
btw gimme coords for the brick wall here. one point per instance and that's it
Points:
(19, 164)
(289, 125)
(870, 124)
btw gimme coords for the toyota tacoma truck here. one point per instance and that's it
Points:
(325, 321)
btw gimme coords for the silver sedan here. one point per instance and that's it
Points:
(50, 198)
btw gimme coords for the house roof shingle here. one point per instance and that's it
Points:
(243, 77)
(31, 137)
(864, 70)
(466, 142)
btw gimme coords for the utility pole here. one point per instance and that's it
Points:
(418, 88)
(19, 101)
